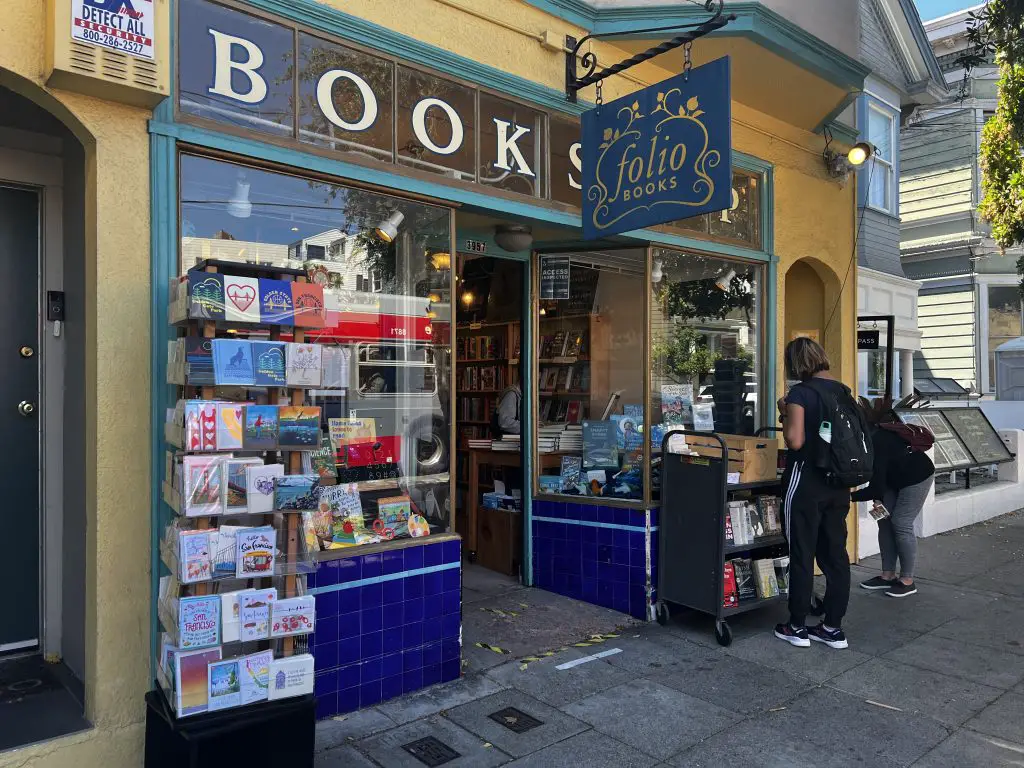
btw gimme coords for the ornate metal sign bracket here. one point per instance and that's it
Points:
(573, 82)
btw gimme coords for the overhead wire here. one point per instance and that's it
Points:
(853, 256)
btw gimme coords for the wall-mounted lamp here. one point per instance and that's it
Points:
(839, 166)
(239, 205)
(467, 298)
(656, 271)
(387, 230)
(513, 237)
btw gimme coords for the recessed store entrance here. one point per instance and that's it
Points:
(490, 305)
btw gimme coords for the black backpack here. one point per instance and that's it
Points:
(847, 459)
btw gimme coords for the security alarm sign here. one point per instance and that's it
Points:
(120, 25)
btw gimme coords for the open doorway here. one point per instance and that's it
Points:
(490, 308)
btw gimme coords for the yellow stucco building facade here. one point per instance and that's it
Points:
(787, 87)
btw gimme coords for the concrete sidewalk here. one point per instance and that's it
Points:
(935, 679)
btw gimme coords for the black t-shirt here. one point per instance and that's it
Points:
(802, 395)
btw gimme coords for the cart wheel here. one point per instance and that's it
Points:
(661, 613)
(723, 634)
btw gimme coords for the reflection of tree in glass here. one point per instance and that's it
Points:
(424, 229)
(318, 57)
(684, 355)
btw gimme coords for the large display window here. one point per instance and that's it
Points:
(382, 378)
(634, 342)
(589, 364)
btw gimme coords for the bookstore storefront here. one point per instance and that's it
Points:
(319, 207)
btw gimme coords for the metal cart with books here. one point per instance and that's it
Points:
(693, 548)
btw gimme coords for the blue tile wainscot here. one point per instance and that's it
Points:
(599, 554)
(388, 621)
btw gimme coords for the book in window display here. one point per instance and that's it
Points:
(600, 449)
(676, 403)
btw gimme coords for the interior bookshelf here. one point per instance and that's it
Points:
(573, 373)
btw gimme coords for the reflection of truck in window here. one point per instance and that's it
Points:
(398, 376)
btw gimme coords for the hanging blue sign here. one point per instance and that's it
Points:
(660, 154)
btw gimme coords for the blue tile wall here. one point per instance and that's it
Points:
(598, 555)
(396, 629)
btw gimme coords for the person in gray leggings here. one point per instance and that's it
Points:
(901, 480)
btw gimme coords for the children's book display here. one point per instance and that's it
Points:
(240, 435)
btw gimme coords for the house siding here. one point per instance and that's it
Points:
(937, 172)
(877, 48)
(878, 245)
(948, 327)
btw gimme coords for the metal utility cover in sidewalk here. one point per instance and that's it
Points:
(515, 720)
(431, 751)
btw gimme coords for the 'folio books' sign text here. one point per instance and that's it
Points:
(660, 154)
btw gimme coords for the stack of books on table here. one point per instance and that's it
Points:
(507, 443)
(571, 439)
(548, 437)
(479, 443)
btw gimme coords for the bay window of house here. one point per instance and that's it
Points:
(1004, 323)
(881, 171)
(706, 342)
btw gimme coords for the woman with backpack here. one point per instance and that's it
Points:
(826, 435)
(903, 475)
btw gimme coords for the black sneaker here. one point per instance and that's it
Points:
(877, 583)
(817, 606)
(899, 589)
(833, 638)
(793, 635)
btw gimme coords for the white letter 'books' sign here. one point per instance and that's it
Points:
(667, 160)
(660, 154)
(125, 26)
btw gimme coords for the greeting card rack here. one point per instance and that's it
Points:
(221, 320)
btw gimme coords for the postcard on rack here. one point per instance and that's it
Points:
(298, 428)
(199, 361)
(206, 295)
(230, 426)
(230, 615)
(255, 671)
(200, 425)
(291, 676)
(190, 680)
(260, 486)
(232, 362)
(224, 549)
(276, 302)
(292, 616)
(308, 302)
(268, 357)
(167, 651)
(303, 365)
(254, 614)
(255, 552)
(260, 428)
(241, 299)
(293, 492)
(237, 495)
(224, 685)
(198, 621)
(195, 556)
(203, 492)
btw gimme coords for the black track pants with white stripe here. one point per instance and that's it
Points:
(815, 518)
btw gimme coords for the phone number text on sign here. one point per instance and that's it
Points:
(125, 26)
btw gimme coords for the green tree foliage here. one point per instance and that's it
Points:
(997, 31)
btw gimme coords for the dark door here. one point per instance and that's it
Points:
(19, 416)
